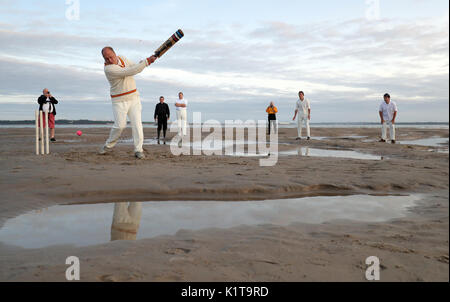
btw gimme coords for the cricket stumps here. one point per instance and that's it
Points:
(41, 136)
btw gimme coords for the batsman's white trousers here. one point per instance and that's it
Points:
(182, 121)
(121, 110)
(391, 130)
(303, 119)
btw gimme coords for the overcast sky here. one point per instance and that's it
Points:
(235, 58)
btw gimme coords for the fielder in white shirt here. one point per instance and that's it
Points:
(303, 109)
(125, 98)
(181, 105)
(388, 113)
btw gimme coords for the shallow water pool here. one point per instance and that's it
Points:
(83, 225)
(314, 152)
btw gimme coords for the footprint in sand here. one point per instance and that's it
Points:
(178, 259)
(443, 259)
(108, 278)
(177, 251)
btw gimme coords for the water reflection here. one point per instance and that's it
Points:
(89, 224)
(126, 220)
(431, 142)
(303, 151)
(307, 151)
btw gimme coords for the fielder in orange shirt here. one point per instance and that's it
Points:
(272, 111)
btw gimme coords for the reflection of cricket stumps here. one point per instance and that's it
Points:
(169, 43)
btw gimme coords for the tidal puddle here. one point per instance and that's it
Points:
(312, 152)
(429, 142)
(306, 151)
(197, 145)
(221, 147)
(83, 225)
(351, 137)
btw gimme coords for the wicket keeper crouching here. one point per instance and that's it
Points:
(125, 98)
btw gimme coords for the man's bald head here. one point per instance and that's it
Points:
(109, 55)
(107, 48)
(46, 92)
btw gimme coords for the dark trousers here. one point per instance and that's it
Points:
(272, 117)
(162, 123)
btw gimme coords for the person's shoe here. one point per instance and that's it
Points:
(382, 140)
(308, 138)
(139, 155)
(103, 150)
(53, 139)
(158, 141)
(164, 141)
(393, 141)
(298, 138)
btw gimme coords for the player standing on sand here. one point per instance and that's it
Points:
(125, 98)
(388, 112)
(303, 109)
(272, 117)
(162, 114)
(47, 104)
(181, 105)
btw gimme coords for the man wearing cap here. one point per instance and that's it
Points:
(125, 98)
(388, 113)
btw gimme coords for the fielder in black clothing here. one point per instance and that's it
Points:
(162, 114)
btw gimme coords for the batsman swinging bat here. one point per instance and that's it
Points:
(169, 43)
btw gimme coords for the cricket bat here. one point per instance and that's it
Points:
(169, 43)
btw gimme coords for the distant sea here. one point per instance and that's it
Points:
(108, 124)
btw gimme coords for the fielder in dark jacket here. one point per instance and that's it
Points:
(47, 103)
(162, 114)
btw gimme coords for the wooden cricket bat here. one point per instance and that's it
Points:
(169, 43)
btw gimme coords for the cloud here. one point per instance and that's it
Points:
(334, 62)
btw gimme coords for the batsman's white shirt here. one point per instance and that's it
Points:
(121, 80)
(388, 110)
(302, 107)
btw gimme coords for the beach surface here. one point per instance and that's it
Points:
(410, 248)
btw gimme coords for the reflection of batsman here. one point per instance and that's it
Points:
(124, 96)
(126, 220)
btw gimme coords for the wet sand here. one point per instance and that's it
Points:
(413, 248)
